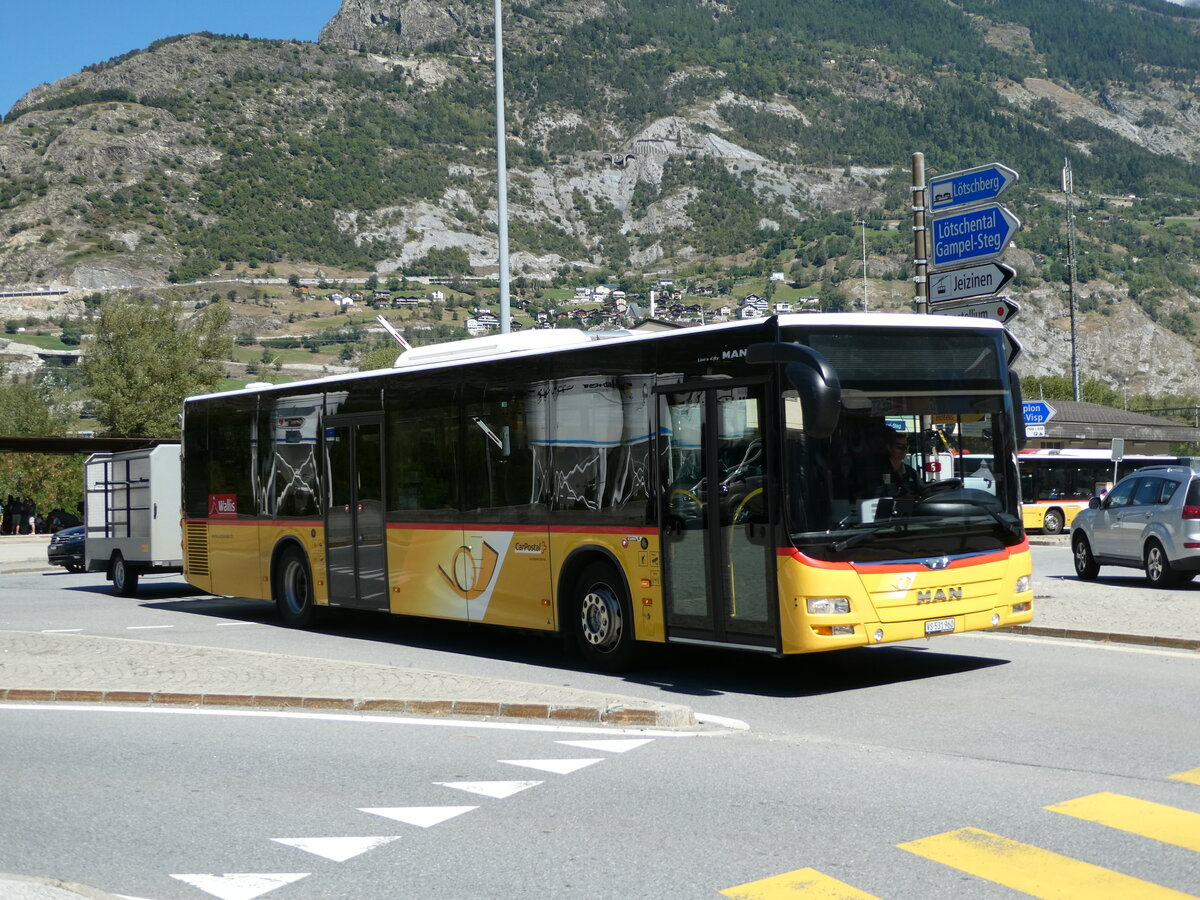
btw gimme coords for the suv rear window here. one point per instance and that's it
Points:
(1193, 494)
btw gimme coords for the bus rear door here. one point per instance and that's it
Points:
(355, 532)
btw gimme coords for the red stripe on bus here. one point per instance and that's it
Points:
(553, 529)
(440, 526)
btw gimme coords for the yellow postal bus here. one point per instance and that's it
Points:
(725, 485)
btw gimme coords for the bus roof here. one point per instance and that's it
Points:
(451, 353)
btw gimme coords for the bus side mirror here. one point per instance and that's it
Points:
(1018, 408)
(815, 380)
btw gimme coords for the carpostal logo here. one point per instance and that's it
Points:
(222, 506)
(530, 548)
(470, 577)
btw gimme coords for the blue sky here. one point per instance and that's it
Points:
(45, 40)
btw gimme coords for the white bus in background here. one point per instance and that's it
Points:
(1057, 483)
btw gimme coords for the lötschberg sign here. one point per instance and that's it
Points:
(970, 186)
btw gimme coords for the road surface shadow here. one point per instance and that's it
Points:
(692, 671)
(149, 590)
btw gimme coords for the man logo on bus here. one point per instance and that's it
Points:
(954, 593)
(469, 577)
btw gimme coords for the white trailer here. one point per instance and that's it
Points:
(132, 512)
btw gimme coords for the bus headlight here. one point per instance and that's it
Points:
(828, 606)
(1023, 584)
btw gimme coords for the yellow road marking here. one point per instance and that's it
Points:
(1037, 872)
(809, 883)
(1191, 777)
(1152, 820)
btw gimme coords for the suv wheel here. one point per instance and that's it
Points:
(1086, 566)
(1158, 567)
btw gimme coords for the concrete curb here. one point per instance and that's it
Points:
(1105, 637)
(617, 715)
(40, 667)
(33, 887)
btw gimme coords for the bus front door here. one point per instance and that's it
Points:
(356, 537)
(718, 562)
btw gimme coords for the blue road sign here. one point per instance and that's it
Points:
(970, 186)
(1037, 412)
(973, 235)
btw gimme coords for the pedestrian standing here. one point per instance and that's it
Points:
(12, 514)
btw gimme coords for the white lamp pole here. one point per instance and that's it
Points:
(501, 178)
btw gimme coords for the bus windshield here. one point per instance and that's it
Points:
(884, 485)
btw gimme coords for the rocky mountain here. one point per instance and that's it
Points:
(690, 137)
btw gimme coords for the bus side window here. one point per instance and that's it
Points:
(422, 442)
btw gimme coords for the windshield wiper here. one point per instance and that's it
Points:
(854, 540)
(1009, 527)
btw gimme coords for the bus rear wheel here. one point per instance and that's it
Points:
(603, 625)
(1053, 521)
(293, 589)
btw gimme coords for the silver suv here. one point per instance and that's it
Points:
(1150, 520)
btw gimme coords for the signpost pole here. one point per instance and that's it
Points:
(920, 235)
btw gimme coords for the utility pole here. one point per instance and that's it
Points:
(1068, 190)
(501, 179)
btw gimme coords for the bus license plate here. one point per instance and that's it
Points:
(939, 626)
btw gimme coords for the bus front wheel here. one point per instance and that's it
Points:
(1053, 521)
(603, 626)
(124, 578)
(292, 586)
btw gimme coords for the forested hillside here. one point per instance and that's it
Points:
(663, 136)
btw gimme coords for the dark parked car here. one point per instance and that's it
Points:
(66, 549)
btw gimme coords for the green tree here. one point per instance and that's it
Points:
(146, 358)
(52, 480)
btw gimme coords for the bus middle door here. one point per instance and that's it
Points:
(718, 558)
(355, 532)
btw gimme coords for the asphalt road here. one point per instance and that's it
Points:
(163, 804)
(847, 757)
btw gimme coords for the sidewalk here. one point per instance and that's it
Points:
(24, 553)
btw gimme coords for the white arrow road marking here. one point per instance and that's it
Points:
(243, 885)
(339, 849)
(610, 746)
(421, 816)
(497, 789)
(557, 766)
